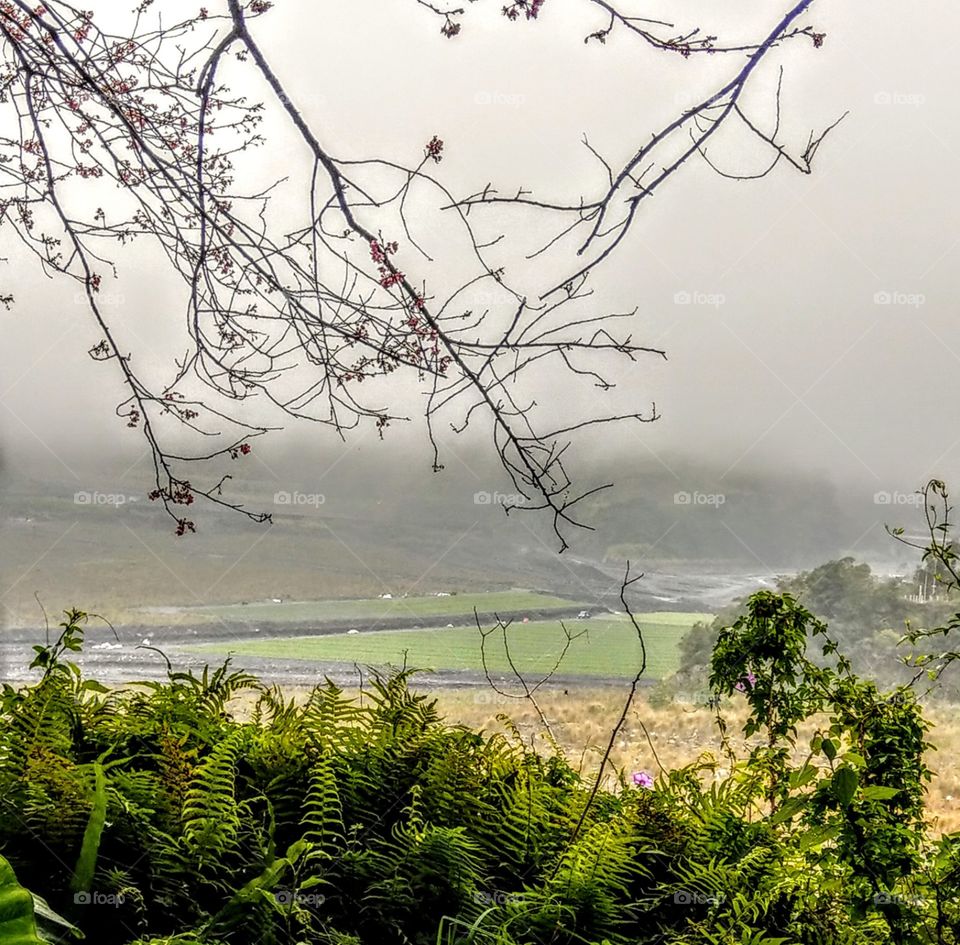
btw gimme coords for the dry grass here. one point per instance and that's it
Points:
(655, 739)
(678, 735)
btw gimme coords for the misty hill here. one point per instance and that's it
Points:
(362, 527)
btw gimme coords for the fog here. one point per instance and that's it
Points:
(809, 321)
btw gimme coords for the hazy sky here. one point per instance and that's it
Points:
(820, 331)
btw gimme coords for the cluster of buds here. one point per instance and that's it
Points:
(83, 29)
(379, 253)
(136, 117)
(530, 8)
(423, 348)
(121, 50)
(184, 413)
(242, 450)
(179, 493)
(434, 149)
(18, 23)
(120, 85)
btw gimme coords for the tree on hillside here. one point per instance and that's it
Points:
(121, 130)
(849, 594)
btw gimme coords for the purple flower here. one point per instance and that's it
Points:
(749, 680)
(642, 779)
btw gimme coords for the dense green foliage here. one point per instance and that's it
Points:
(870, 617)
(158, 814)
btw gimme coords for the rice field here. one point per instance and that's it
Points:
(605, 646)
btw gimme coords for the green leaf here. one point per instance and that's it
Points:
(804, 776)
(53, 926)
(845, 784)
(82, 880)
(17, 922)
(816, 836)
(829, 749)
(791, 806)
(878, 793)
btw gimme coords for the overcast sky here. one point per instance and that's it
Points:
(810, 322)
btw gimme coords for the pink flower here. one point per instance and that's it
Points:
(749, 680)
(642, 779)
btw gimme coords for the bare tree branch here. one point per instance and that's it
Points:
(113, 138)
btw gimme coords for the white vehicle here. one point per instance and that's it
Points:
(583, 615)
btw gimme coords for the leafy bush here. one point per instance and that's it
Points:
(158, 814)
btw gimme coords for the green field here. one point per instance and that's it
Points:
(608, 646)
(373, 609)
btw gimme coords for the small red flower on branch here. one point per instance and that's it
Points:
(530, 8)
(388, 279)
(434, 149)
(389, 276)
